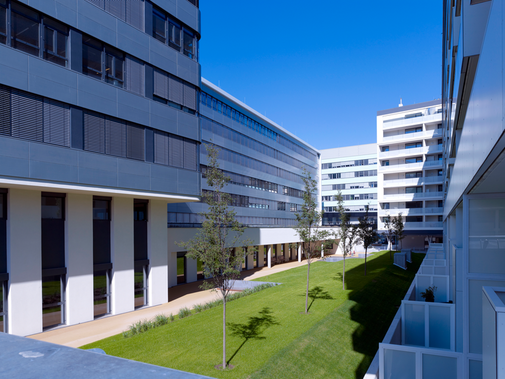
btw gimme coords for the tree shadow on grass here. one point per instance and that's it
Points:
(318, 293)
(253, 329)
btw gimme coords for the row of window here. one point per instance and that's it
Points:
(262, 185)
(362, 196)
(27, 116)
(353, 174)
(48, 39)
(415, 160)
(195, 219)
(345, 186)
(232, 135)
(243, 160)
(226, 110)
(257, 203)
(358, 162)
(164, 27)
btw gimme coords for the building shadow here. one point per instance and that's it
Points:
(253, 328)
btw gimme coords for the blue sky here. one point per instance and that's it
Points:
(323, 70)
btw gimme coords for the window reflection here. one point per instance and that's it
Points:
(101, 210)
(24, 29)
(52, 311)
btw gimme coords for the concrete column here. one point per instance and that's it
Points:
(191, 270)
(172, 269)
(269, 255)
(157, 246)
(299, 252)
(279, 250)
(287, 253)
(122, 288)
(250, 258)
(24, 262)
(322, 250)
(79, 258)
(261, 255)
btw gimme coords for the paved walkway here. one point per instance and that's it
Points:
(186, 295)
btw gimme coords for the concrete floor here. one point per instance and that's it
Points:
(186, 295)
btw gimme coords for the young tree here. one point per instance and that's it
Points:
(347, 233)
(366, 232)
(213, 243)
(309, 228)
(398, 227)
(389, 226)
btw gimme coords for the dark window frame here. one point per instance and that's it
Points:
(105, 52)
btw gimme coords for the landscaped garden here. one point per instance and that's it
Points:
(269, 336)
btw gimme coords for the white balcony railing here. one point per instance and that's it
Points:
(412, 181)
(410, 211)
(414, 151)
(412, 121)
(423, 225)
(426, 165)
(412, 136)
(410, 196)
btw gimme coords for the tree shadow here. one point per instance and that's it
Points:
(318, 293)
(253, 329)
(338, 277)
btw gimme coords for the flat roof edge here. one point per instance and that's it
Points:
(409, 107)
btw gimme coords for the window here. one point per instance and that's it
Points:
(413, 145)
(3, 306)
(440, 172)
(414, 219)
(413, 189)
(440, 142)
(417, 174)
(172, 33)
(102, 62)
(440, 203)
(384, 148)
(414, 130)
(413, 160)
(55, 41)
(440, 157)
(24, 29)
(385, 163)
(3, 21)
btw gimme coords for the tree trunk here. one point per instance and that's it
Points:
(365, 259)
(224, 333)
(307, 291)
(343, 276)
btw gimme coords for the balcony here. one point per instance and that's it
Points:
(423, 225)
(407, 182)
(436, 133)
(410, 211)
(412, 121)
(409, 152)
(412, 196)
(426, 165)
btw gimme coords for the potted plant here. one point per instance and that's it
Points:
(429, 294)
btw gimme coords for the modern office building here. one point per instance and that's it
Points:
(464, 339)
(265, 163)
(98, 132)
(410, 170)
(352, 171)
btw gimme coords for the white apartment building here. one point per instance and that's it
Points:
(410, 170)
(352, 170)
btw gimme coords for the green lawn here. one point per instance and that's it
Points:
(337, 339)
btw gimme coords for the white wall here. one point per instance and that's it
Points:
(122, 289)
(158, 258)
(79, 258)
(24, 260)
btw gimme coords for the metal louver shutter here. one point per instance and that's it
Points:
(116, 7)
(175, 90)
(189, 96)
(135, 76)
(160, 84)
(99, 3)
(56, 123)
(175, 147)
(115, 137)
(190, 157)
(94, 135)
(135, 13)
(161, 148)
(27, 116)
(135, 140)
(5, 110)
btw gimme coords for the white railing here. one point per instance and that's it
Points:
(410, 211)
(408, 254)
(419, 135)
(414, 151)
(412, 181)
(430, 325)
(396, 361)
(411, 166)
(400, 260)
(439, 281)
(412, 121)
(418, 225)
(417, 195)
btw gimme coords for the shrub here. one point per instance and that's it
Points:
(160, 320)
(171, 317)
(184, 312)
